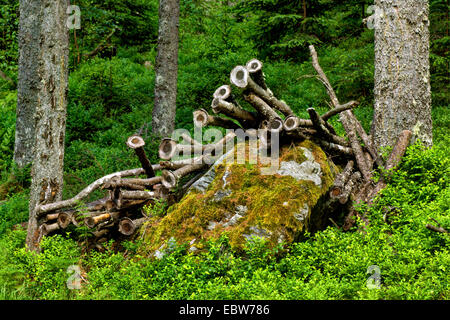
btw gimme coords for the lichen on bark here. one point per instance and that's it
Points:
(402, 72)
(50, 112)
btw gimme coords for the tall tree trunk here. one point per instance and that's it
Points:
(402, 76)
(27, 89)
(166, 68)
(50, 117)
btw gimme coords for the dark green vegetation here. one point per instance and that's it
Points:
(111, 97)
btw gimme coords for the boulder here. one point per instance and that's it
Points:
(237, 199)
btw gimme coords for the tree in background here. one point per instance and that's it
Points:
(51, 68)
(285, 28)
(402, 72)
(27, 90)
(166, 68)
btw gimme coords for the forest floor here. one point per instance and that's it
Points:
(412, 261)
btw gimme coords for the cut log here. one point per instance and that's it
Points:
(91, 222)
(244, 117)
(203, 119)
(128, 183)
(169, 148)
(187, 138)
(138, 195)
(241, 79)
(223, 92)
(51, 217)
(170, 179)
(128, 227)
(48, 228)
(174, 165)
(293, 122)
(261, 106)
(42, 209)
(64, 220)
(275, 125)
(137, 144)
(100, 233)
(254, 67)
(290, 123)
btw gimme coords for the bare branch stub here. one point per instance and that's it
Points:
(341, 179)
(203, 119)
(137, 143)
(223, 92)
(254, 67)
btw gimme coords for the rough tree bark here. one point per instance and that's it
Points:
(402, 78)
(28, 80)
(50, 116)
(166, 68)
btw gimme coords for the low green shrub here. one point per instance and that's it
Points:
(7, 128)
(13, 210)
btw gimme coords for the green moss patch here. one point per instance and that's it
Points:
(273, 206)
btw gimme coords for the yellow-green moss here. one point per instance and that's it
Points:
(271, 201)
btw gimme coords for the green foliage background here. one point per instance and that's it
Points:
(111, 97)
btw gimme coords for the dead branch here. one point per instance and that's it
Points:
(339, 109)
(341, 179)
(436, 229)
(394, 159)
(319, 124)
(348, 188)
(41, 209)
(100, 46)
(346, 119)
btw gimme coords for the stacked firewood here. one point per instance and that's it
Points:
(264, 117)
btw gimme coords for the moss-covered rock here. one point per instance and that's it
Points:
(237, 199)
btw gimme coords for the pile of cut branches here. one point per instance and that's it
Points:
(270, 119)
